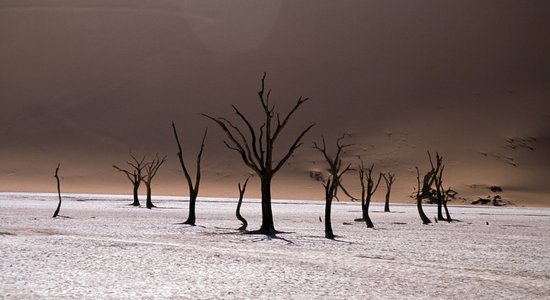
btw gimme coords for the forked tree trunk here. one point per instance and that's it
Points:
(58, 192)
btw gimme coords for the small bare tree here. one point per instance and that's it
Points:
(333, 182)
(56, 213)
(389, 178)
(151, 169)
(134, 175)
(242, 190)
(368, 188)
(257, 150)
(193, 188)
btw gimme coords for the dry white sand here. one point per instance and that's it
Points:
(107, 249)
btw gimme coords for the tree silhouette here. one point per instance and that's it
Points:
(389, 178)
(242, 190)
(257, 150)
(333, 182)
(439, 194)
(151, 169)
(134, 174)
(368, 188)
(193, 188)
(56, 213)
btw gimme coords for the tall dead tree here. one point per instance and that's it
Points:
(257, 149)
(151, 169)
(389, 178)
(134, 174)
(56, 213)
(368, 188)
(242, 190)
(193, 188)
(333, 181)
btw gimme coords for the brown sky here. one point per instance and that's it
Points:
(84, 83)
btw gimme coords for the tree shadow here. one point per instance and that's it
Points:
(190, 225)
(63, 217)
(268, 237)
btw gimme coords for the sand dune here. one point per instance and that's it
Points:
(85, 83)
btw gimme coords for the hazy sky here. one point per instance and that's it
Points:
(86, 82)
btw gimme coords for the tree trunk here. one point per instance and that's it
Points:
(449, 219)
(439, 206)
(58, 193)
(267, 214)
(425, 220)
(238, 213)
(191, 219)
(149, 203)
(328, 207)
(366, 216)
(136, 198)
(440, 211)
(387, 204)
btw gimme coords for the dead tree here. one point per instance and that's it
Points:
(238, 211)
(193, 188)
(134, 175)
(56, 213)
(257, 149)
(422, 192)
(151, 169)
(365, 176)
(333, 181)
(389, 178)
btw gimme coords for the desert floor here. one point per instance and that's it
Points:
(103, 248)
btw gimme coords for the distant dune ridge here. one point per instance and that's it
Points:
(86, 83)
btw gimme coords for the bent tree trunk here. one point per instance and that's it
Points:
(449, 219)
(423, 217)
(238, 211)
(58, 192)
(366, 216)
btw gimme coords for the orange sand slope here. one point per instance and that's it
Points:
(86, 83)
